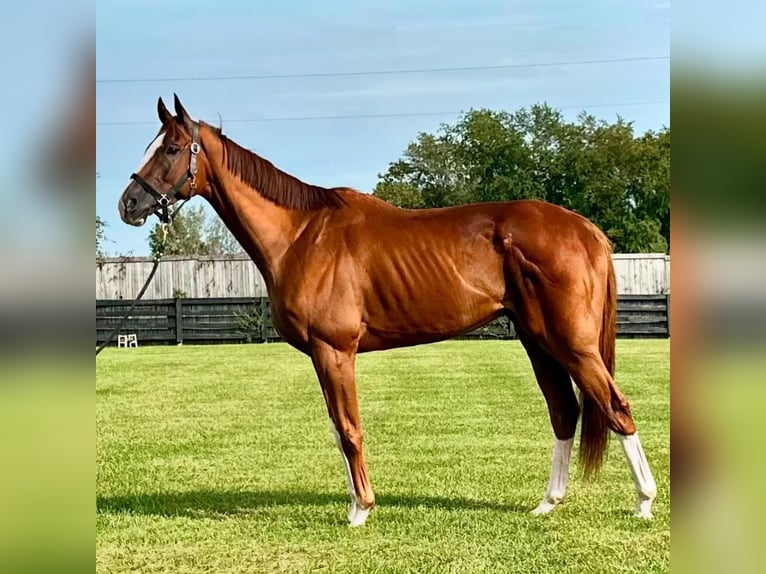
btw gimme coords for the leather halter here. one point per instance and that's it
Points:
(163, 199)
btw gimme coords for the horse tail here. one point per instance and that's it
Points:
(594, 434)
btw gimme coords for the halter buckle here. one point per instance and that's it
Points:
(164, 200)
(195, 149)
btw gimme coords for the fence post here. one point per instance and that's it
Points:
(179, 322)
(667, 310)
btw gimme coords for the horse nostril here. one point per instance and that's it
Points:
(130, 204)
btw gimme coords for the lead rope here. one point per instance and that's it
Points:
(167, 220)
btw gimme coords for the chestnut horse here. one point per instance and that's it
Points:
(348, 273)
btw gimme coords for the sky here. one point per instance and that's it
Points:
(151, 48)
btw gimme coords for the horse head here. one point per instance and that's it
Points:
(171, 169)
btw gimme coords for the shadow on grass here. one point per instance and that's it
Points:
(204, 504)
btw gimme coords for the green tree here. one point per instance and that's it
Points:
(100, 233)
(220, 241)
(596, 168)
(186, 235)
(400, 193)
(191, 233)
(652, 198)
(496, 156)
(100, 237)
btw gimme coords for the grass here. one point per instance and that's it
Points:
(220, 459)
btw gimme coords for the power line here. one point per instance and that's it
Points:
(379, 72)
(378, 116)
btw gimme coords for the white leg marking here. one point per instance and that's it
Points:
(557, 485)
(151, 150)
(646, 488)
(356, 514)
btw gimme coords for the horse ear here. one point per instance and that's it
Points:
(182, 116)
(163, 112)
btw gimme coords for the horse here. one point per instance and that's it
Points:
(348, 273)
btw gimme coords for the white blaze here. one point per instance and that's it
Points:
(151, 150)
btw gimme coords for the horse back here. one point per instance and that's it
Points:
(390, 277)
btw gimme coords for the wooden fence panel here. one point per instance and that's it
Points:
(642, 316)
(237, 276)
(151, 321)
(642, 273)
(179, 276)
(248, 319)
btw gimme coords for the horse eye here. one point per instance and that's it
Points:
(172, 150)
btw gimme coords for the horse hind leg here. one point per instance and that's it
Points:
(646, 488)
(610, 407)
(569, 307)
(563, 408)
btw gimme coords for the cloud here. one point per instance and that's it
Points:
(414, 85)
(451, 24)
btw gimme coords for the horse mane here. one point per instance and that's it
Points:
(273, 183)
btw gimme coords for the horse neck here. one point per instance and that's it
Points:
(264, 230)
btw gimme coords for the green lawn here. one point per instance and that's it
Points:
(220, 459)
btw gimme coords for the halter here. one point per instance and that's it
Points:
(163, 199)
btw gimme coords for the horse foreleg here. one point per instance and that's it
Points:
(335, 370)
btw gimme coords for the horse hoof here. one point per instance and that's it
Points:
(543, 508)
(357, 515)
(644, 510)
(644, 514)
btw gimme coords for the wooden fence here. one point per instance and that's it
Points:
(248, 319)
(237, 276)
(184, 276)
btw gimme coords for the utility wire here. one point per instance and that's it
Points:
(378, 72)
(377, 116)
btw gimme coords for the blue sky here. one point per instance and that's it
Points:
(142, 39)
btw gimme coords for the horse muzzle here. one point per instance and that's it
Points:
(135, 206)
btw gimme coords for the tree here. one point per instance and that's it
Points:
(599, 169)
(100, 237)
(100, 233)
(220, 241)
(652, 199)
(184, 237)
(191, 234)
